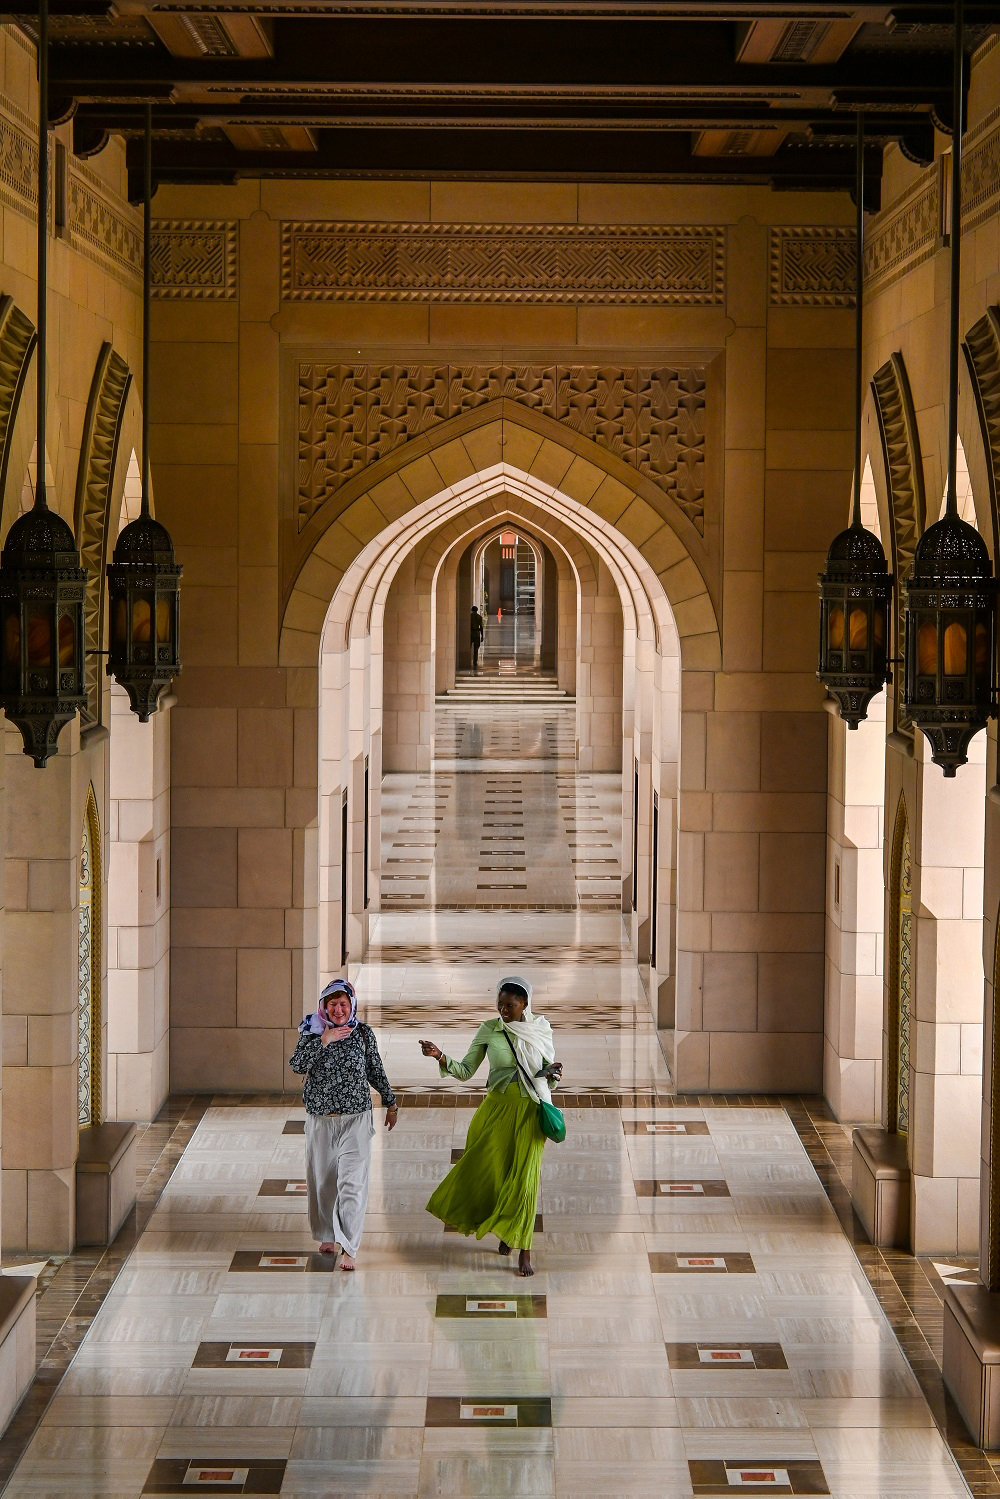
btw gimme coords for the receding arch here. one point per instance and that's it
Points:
(904, 481)
(575, 474)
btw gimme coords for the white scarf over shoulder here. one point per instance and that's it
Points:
(533, 1043)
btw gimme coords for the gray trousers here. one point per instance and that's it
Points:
(338, 1155)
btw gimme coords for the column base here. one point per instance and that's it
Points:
(105, 1181)
(971, 1359)
(880, 1186)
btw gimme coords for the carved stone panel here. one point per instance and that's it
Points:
(194, 260)
(98, 456)
(103, 228)
(575, 263)
(813, 267)
(982, 353)
(905, 477)
(351, 415)
(904, 234)
(17, 344)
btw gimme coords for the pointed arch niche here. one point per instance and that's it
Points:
(90, 1008)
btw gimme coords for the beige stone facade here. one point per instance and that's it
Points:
(326, 457)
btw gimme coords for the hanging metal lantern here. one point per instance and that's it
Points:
(951, 606)
(42, 587)
(951, 598)
(854, 590)
(143, 590)
(144, 578)
(854, 622)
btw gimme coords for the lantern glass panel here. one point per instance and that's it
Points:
(141, 621)
(878, 623)
(927, 648)
(956, 649)
(982, 649)
(67, 640)
(121, 622)
(859, 628)
(164, 621)
(39, 632)
(835, 628)
(12, 638)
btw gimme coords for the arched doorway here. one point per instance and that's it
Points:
(89, 1008)
(897, 1049)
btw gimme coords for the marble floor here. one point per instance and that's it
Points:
(700, 1322)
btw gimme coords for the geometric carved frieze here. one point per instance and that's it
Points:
(194, 260)
(17, 344)
(18, 159)
(351, 415)
(981, 172)
(570, 263)
(103, 228)
(904, 234)
(812, 267)
(98, 457)
(982, 354)
(905, 481)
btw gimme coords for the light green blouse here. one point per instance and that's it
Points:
(489, 1041)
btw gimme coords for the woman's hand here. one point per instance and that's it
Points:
(430, 1050)
(553, 1074)
(336, 1033)
(391, 1117)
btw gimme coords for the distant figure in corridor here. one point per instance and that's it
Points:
(476, 632)
(494, 1187)
(340, 1060)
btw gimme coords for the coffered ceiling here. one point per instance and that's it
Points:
(682, 90)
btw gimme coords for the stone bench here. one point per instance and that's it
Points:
(105, 1181)
(17, 1341)
(971, 1359)
(880, 1186)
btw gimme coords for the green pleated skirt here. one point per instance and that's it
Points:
(493, 1189)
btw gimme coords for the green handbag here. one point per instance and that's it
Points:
(550, 1119)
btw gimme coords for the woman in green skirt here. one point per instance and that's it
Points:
(494, 1187)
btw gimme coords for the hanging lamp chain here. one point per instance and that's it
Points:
(958, 110)
(147, 216)
(859, 276)
(40, 502)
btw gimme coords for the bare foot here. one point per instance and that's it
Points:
(524, 1264)
(504, 1248)
(329, 1248)
(346, 1262)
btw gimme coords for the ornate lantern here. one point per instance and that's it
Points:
(143, 592)
(42, 587)
(144, 578)
(948, 688)
(949, 677)
(855, 589)
(42, 584)
(854, 621)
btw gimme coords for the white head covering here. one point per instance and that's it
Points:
(531, 1037)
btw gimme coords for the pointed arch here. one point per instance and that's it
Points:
(89, 996)
(17, 344)
(904, 474)
(897, 1053)
(109, 392)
